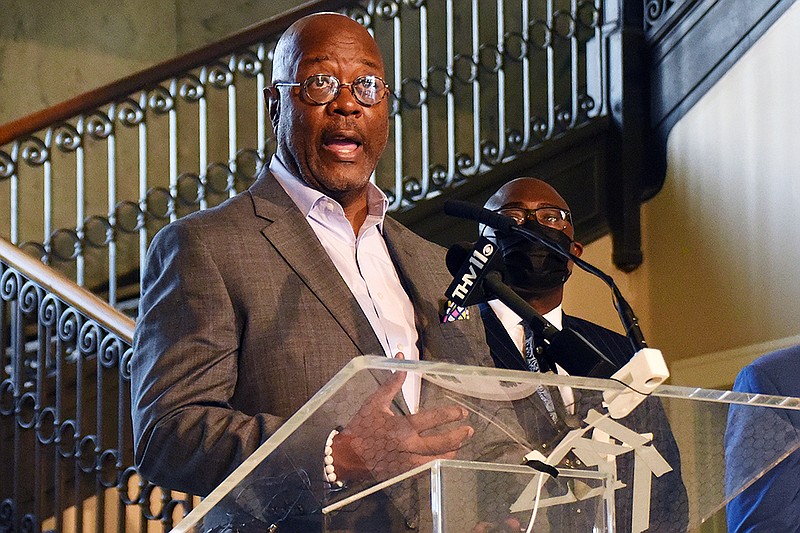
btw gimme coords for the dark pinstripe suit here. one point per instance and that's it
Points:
(669, 504)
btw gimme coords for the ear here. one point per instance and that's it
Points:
(272, 98)
(576, 248)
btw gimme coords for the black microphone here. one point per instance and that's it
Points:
(469, 265)
(500, 222)
(477, 278)
(460, 209)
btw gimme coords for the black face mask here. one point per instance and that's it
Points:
(532, 268)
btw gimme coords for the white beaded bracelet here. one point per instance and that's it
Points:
(330, 474)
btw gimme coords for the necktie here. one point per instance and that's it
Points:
(535, 345)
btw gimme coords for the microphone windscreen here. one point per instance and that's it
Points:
(457, 255)
(460, 209)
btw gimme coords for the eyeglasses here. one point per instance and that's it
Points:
(321, 89)
(552, 217)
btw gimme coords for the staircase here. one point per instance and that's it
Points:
(481, 92)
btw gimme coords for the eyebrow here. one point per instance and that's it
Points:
(521, 205)
(321, 59)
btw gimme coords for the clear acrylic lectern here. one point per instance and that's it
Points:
(660, 468)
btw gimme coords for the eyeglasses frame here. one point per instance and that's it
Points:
(305, 96)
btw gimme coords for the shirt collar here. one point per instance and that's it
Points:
(308, 199)
(509, 318)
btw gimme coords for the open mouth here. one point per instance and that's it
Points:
(344, 145)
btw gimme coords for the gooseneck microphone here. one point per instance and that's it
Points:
(630, 323)
(477, 277)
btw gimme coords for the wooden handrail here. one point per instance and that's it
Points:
(68, 291)
(152, 76)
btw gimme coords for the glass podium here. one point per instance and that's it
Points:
(544, 455)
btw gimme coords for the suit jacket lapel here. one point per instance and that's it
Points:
(291, 235)
(504, 351)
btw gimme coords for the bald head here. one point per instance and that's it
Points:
(530, 191)
(308, 32)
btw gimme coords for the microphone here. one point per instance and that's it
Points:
(460, 209)
(477, 278)
(469, 265)
(500, 222)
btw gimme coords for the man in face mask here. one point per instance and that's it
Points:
(533, 271)
(537, 274)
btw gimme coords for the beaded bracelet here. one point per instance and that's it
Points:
(330, 474)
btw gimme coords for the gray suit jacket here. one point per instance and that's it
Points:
(243, 317)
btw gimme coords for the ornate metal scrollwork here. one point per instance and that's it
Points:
(387, 9)
(46, 426)
(108, 466)
(67, 439)
(463, 161)
(130, 113)
(64, 244)
(66, 138)
(248, 165)
(7, 513)
(99, 125)
(564, 24)
(220, 75)
(490, 153)
(655, 9)
(7, 166)
(111, 350)
(359, 14)
(515, 141)
(439, 175)
(440, 82)
(89, 338)
(160, 203)
(33, 151)
(29, 524)
(413, 93)
(414, 4)
(190, 88)
(26, 410)
(160, 100)
(412, 188)
(219, 178)
(50, 311)
(587, 14)
(189, 189)
(490, 59)
(539, 34)
(125, 364)
(30, 294)
(87, 454)
(585, 105)
(9, 285)
(515, 47)
(97, 231)
(69, 325)
(128, 217)
(7, 391)
(248, 64)
(462, 62)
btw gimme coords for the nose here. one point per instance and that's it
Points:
(345, 103)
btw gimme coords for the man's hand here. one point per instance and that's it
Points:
(378, 443)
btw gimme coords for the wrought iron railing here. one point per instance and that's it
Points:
(474, 85)
(65, 432)
(87, 183)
